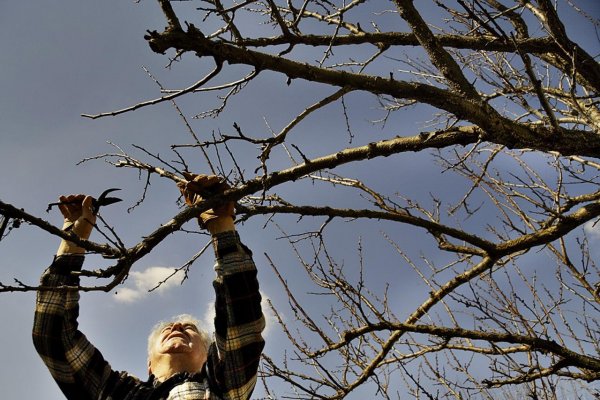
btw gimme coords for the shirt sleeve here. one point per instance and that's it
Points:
(234, 357)
(75, 364)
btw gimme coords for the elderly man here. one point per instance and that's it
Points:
(183, 363)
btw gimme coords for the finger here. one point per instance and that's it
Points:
(223, 186)
(181, 187)
(86, 207)
(200, 179)
(70, 205)
(63, 207)
(188, 196)
(207, 181)
(188, 175)
(212, 180)
(75, 202)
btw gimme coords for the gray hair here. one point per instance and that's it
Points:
(183, 318)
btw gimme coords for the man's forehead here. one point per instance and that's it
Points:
(182, 322)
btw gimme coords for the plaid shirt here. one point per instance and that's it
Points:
(229, 372)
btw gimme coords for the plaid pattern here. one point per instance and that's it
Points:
(229, 373)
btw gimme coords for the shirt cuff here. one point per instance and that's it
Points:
(66, 263)
(228, 242)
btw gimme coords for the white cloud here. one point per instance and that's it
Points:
(143, 281)
(592, 229)
(269, 316)
(209, 315)
(208, 320)
(140, 282)
(127, 295)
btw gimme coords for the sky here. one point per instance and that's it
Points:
(63, 59)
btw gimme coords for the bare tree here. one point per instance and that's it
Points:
(503, 100)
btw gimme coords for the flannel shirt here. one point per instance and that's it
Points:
(229, 373)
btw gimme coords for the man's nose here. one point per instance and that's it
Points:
(177, 326)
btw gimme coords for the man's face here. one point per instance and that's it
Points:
(181, 340)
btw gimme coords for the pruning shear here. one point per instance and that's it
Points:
(102, 200)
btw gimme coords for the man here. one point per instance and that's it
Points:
(182, 363)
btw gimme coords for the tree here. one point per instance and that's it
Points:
(496, 95)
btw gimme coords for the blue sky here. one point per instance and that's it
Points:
(62, 59)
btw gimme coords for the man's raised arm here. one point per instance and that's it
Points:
(233, 359)
(75, 364)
